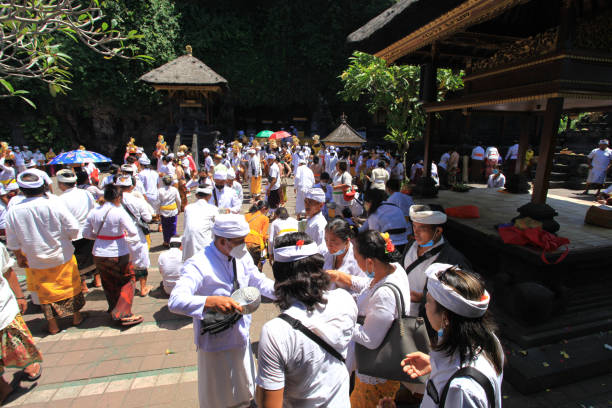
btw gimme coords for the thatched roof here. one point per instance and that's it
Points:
(397, 21)
(344, 134)
(185, 70)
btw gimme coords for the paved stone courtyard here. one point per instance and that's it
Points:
(154, 364)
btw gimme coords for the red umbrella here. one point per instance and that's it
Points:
(281, 134)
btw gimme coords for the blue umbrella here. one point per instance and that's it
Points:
(78, 157)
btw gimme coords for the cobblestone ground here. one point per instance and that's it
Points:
(154, 364)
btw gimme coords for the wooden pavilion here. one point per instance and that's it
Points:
(535, 59)
(344, 135)
(191, 86)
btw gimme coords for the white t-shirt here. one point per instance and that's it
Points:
(444, 160)
(600, 159)
(310, 376)
(79, 202)
(478, 153)
(274, 172)
(8, 304)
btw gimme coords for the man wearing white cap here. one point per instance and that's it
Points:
(170, 263)
(428, 247)
(331, 158)
(315, 226)
(274, 182)
(27, 154)
(40, 230)
(141, 213)
(234, 185)
(254, 173)
(150, 180)
(303, 181)
(38, 158)
(167, 168)
(199, 220)
(600, 161)
(132, 171)
(223, 197)
(79, 202)
(31, 167)
(226, 370)
(208, 161)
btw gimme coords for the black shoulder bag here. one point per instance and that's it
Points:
(138, 221)
(464, 372)
(215, 322)
(297, 325)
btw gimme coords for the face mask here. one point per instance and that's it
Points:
(430, 242)
(370, 274)
(219, 186)
(495, 171)
(323, 184)
(238, 251)
(340, 252)
(440, 333)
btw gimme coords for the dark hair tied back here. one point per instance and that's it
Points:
(371, 244)
(303, 280)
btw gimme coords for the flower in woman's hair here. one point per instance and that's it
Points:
(299, 243)
(389, 247)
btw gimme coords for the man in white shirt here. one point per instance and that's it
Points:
(223, 197)
(208, 161)
(491, 159)
(274, 182)
(303, 181)
(27, 154)
(150, 181)
(40, 230)
(234, 185)
(199, 220)
(511, 157)
(477, 163)
(19, 160)
(226, 368)
(315, 226)
(39, 158)
(170, 263)
(141, 213)
(600, 161)
(79, 202)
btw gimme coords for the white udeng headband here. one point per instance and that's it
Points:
(295, 252)
(450, 298)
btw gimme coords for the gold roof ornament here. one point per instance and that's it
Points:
(189, 50)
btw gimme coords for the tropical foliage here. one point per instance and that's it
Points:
(394, 90)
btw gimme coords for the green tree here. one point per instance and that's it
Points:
(33, 34)
(394, 90)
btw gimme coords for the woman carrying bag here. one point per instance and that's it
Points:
(466, 363)
(377, 308)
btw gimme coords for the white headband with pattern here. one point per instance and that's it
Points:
(295, 252)
(450, 298)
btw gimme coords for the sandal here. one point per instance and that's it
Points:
(32, 378)
(132, 320)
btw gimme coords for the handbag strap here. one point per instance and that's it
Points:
(399, 299)
(297, 325)
(476, 375)
(215, 196)
(424, 257)
(103, 221)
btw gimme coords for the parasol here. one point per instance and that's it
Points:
(281, 134)
(78, 157)
(264, 133)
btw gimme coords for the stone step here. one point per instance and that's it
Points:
(556, 176)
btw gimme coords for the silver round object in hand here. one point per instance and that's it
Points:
(249, 298)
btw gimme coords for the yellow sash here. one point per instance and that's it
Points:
(7, 182)
(284, 231)
(169, 207)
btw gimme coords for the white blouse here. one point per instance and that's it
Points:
(380, 310)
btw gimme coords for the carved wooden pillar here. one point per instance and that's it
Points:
(430, 90)
(550, 127)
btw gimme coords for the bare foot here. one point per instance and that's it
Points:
(78, 318)
(84, 287)
(53, 328)
(97, 280)
(144, 292)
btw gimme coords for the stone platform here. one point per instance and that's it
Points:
(578, 310)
